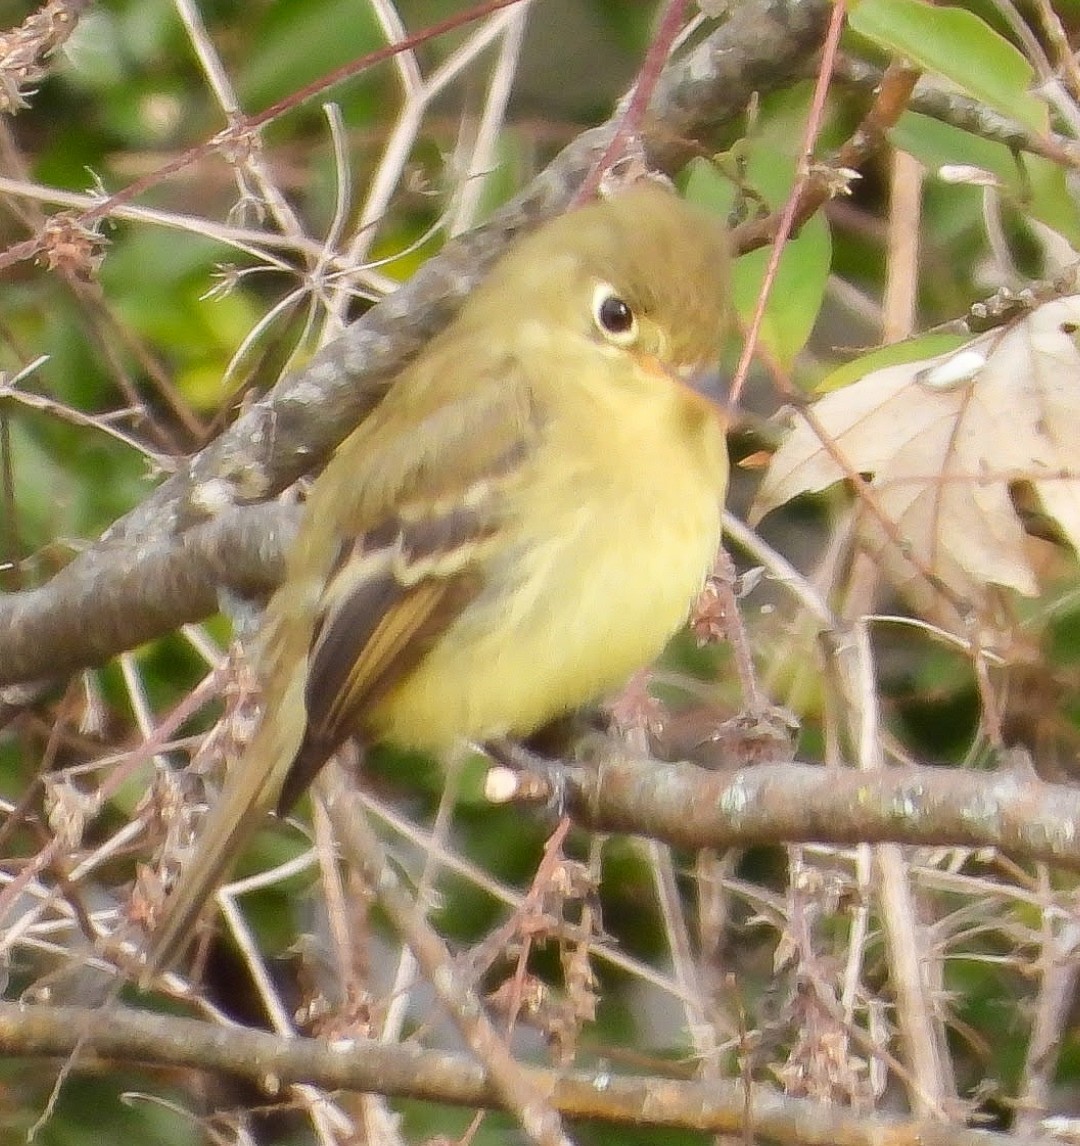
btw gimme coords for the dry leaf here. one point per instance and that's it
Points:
(943, 441)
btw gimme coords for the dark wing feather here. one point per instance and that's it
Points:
(379, 628)
(393, 591)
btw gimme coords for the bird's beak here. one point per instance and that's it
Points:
(708, 383)
(704, 384)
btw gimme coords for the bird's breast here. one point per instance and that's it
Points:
(612, 528)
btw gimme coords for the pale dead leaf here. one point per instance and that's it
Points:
(942, 441)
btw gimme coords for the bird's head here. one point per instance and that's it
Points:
(643, 272)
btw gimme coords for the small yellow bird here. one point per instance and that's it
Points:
(519, 526)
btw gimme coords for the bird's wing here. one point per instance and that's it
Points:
(389, 598)
(429, 501)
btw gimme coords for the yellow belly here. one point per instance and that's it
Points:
(591, 591)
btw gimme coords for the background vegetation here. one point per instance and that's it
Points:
(855, 913)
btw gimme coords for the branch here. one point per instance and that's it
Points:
(961, 111)
(689, 807)
(271, 1062)
(762, 47)
(97, 606)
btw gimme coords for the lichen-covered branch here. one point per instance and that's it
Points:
(94, 608)
(686, 806)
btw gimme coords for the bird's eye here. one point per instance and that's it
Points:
(613, 315)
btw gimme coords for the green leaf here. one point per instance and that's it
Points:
(910, 350)
(797, 290)
(958, 45)
(799, 286)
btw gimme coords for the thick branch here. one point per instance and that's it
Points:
(358, 1064)
(92, 609)
(686, 806)
(763, 46)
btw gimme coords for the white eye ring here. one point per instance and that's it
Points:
(613, 315)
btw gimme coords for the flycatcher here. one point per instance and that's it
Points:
(520, 524)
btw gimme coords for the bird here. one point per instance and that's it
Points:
(520, 524)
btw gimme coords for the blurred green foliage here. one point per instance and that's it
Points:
(128, 95)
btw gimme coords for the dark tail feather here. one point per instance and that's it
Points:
(306, 765)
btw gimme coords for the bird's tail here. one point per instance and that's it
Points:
(251, 790)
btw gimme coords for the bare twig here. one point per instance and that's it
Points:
(515, 1087)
